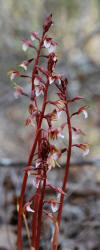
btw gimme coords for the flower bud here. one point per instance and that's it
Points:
(47, 23)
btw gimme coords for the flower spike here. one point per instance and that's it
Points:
(45, 154)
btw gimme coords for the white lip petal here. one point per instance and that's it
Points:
(86, 152)
(58, 197)
(32, 124)
(49, 167)
(46, 44)
(36, 81)
(85, 113)
(16, 94)
(75, 136)
(37, 164)
(59, 81)
(54, 207)
(55, 156)
(12, 76)
(38, 91)
(60, 135)
(36, 182)
(32, 38)
(28, 173)
(22, 65)
(51, 49)
(28, 208)
(55, 58)
(24, 46)
(51, 80)
(59, 114)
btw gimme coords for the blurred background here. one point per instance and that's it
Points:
(77, 30)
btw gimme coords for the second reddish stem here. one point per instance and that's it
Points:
(55, 238)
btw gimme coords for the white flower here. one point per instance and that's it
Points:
(51, 80)
(75, 136)
(12, 76)
(60, 135)
(52, 161)
(86, 152)
(16, 94)
(28, 208)
(18, 91)
(37, 164)
(24, 46)
(52, 48)
(58, 114)
(54, 207)
(32, 124)
(36, 182)
(22, 65)
(32, 38)
(47, 44)
(28, 173)
(85, 113)
(59, 81)
(38, 91)
(36, 81)
(58, 197)
(55, 156)
(31, 121)
(55, 58)
(49, 168)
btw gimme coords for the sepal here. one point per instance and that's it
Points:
(81, 110)
(29, 121)
(78, 131)
(58, 190)
(26, 44)
(84, 147)
(35, 35)
(28, 208)
(53, 203)
(25, 64)
(77, 98)
(32, 107)
(50, 216)
(42, 70)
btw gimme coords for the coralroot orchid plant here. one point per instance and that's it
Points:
(44, 155)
